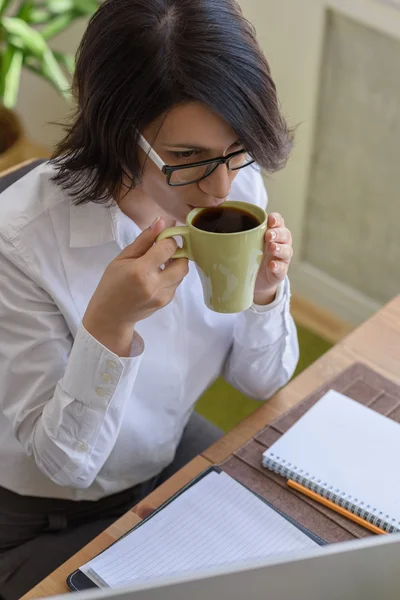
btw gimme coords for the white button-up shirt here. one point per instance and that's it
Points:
(77, 421)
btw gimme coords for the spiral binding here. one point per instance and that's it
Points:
(342, 499)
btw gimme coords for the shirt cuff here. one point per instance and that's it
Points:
(263, 325)
(263, 308)
(94, 373)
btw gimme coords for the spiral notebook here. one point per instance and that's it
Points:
(348, 454)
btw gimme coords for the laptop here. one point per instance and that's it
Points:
(365, 569)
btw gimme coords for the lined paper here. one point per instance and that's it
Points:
(213, 523)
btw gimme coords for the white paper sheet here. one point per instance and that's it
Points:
(216, 521)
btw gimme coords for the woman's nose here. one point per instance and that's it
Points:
(218, 184)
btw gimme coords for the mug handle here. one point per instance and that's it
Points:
(182, 231)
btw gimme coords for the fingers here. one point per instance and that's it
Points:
(157, 253)
(144, 509)
(281, 235)
(279, 269)
(281, 251)
(161, 252)
(171, 277)
(275, 220)
(175, 272)
(144, 241)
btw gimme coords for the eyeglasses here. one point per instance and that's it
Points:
(194, 172)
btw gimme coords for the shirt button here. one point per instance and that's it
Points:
(111, 364)
(106, 377)
(83, 447)
(100, 392)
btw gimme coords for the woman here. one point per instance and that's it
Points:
(103, 351)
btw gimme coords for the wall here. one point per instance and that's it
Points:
(335, 62)
(352, 232)
(283, 29)
(38, 103)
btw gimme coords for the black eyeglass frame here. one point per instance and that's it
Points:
(220, 160)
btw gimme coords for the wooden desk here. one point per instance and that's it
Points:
(375, 343)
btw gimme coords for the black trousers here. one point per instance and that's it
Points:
(39, 534)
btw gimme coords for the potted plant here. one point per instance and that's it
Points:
(26, 28)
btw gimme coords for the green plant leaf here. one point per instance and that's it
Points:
(31, 38)
(35, 69)
(51, 72)
(38, 70)
(86, 7)
(66, 60)
(16, 42)
(42, 74)
(58, 24)
(24, 11)
(54, 73)
(59, 6)
(4, 4)
(12, 78)
(39, 16)
(5, 65)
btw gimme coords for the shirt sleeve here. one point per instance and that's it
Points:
(64, 398)
(265, 348)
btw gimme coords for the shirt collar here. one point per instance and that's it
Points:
(91, 224)
(94, 224)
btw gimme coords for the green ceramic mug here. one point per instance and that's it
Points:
(228, 263)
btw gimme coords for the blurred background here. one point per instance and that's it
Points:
(336, 65)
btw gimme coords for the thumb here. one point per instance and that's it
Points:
(144, 509)
(144, 241)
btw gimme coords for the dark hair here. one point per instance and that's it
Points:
(138, 59)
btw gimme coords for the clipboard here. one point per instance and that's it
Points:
(78, 581)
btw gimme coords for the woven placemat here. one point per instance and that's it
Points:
(358, 382)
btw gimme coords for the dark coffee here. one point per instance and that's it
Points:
(225, 219)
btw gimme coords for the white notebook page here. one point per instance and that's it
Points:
(348, 447)
(216, 521)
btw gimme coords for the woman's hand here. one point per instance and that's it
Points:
(275, 263)
(132, 288)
